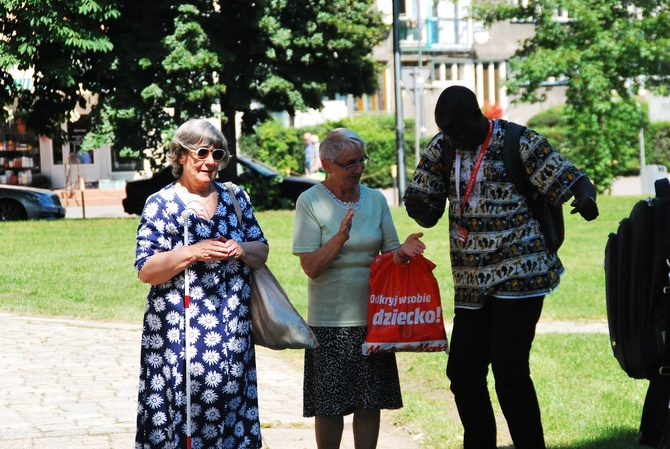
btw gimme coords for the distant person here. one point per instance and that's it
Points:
(310, 150)
(86, 157)
(340, 226)
(500, 262)
(220, 256)
(315, 164)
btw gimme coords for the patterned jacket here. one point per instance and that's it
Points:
(505, 253)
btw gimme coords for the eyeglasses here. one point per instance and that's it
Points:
(354, 165)
(218, 154)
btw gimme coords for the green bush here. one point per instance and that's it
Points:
(552, 125)
(552, 117)
(378, 132)
(278, 147)
(283, 148)
(274, 144)
(657, 144)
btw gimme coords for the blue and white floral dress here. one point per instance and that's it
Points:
(224, 400)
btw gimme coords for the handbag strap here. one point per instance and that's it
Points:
(238, 210)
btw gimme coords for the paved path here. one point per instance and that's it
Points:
(73, 384)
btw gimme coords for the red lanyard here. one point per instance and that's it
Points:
(475, 170)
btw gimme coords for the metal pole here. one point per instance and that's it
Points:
(418, 90)
(417, 116)
(643, 163)
(82, 187)
(399, 123)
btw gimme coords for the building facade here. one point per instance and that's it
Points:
(440, 46)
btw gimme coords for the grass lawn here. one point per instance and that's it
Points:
(84, 269)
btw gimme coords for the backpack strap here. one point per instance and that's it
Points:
(549, 217)
(448, 157)
(512, 158)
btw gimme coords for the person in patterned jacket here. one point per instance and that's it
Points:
(501, 266)
(220, 256)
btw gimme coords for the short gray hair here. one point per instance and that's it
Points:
(339, 140)
(194, 133)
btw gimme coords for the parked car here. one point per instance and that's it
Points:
(259, 179)
(29, 203)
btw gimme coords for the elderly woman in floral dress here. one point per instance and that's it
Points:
(220, 256)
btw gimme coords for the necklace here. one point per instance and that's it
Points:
(198, 204)
(202, 206)
(355, 205)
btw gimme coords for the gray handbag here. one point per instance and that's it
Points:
(275, 323)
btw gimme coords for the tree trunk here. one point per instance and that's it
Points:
(228, 128)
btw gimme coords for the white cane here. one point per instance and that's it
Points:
(187, 328)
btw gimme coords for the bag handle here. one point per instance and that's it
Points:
(238, 210)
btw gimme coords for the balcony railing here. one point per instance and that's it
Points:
(436, 34)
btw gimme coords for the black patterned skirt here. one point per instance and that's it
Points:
(338, 378)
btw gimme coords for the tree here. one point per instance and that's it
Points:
(60, 41)
(605, 53)
(176, 59)
(156, 80)
(290, 54)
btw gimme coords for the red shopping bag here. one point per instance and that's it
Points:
(404, 307)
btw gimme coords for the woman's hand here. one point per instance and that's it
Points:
(345, 224)
(217, 249)
(254, 254)
(316, 263)
(411, 247)
(163, 266)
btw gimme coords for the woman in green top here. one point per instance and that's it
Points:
(340, 227)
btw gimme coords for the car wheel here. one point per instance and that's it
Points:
(11, 211)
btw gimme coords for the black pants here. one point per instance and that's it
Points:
(655, 411)
(500, 334)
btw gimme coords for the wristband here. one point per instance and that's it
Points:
(405, 258)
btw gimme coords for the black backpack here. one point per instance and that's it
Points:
(550, 217)
(637, 287)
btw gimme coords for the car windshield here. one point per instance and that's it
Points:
(264, 169)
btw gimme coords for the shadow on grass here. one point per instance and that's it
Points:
(616, 439)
